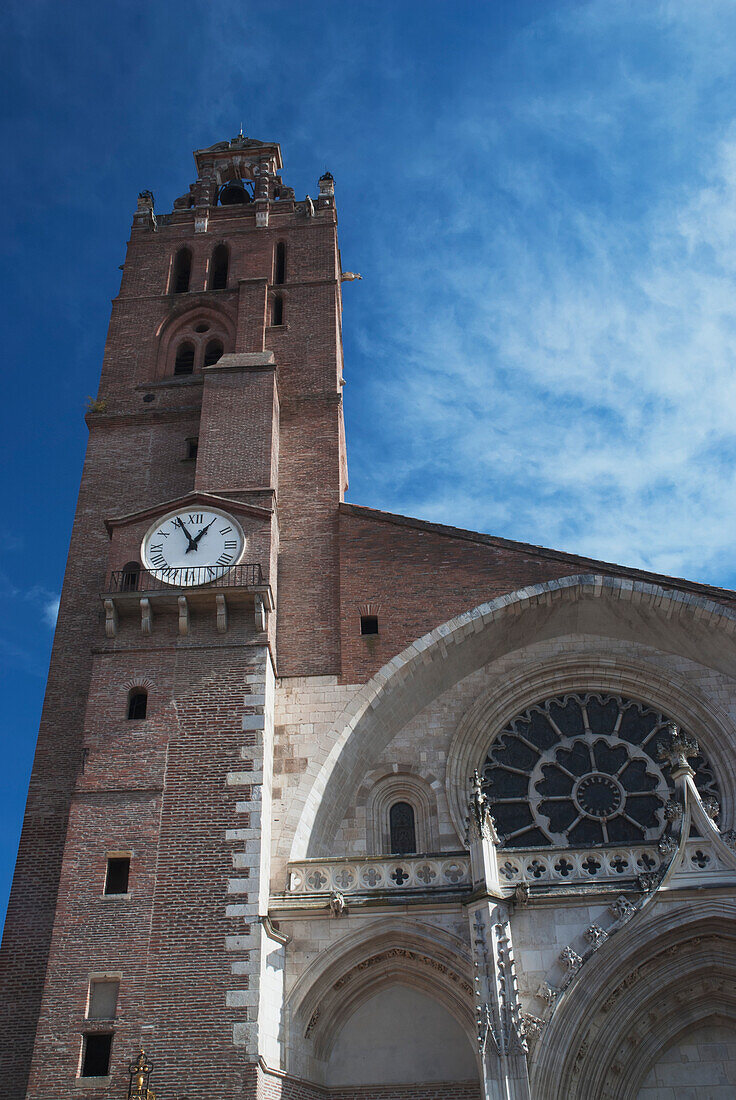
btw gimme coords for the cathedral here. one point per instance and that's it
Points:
(335, 804)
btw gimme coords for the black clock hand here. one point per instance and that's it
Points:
(204, 531)
(190, 540)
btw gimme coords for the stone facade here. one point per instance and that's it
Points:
(563, 926)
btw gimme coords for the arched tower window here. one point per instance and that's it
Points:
(279, 264)
(219, 267)
(182, 271)
(403, 830)
(277, 310)
(137, 703)
(129, 578)
(212, 353)
(195, 339)
(184, 362)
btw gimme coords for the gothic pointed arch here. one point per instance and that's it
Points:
(673, 968)
(582, 604)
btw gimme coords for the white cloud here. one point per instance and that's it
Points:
(570, 381)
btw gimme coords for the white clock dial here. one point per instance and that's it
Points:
(192, 547)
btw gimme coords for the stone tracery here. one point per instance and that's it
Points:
(582, 769)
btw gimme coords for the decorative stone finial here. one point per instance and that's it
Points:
(676, 750)
(479, 818)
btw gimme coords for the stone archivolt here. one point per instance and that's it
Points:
(678, 968)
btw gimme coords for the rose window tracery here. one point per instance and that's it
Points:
(582, 769)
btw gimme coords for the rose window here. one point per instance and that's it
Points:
(582, 769)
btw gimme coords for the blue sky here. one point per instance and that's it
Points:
(540, 196)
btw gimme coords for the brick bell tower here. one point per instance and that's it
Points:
(203, 562)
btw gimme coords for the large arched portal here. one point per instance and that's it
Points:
(631, 1015)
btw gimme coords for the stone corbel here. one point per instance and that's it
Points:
(111, 618)
(260, 613)
(221, 614)
(146, 616)
(183, 615)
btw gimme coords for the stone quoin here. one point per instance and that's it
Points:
(334, 803)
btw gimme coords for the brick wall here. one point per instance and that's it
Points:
(418, 575)
(273, 1086)
(181, 791)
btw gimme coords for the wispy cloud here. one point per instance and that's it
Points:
(44, 602)
(50, 611)
(558, 353)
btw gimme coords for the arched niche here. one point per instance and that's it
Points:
(400, 1035)
(401, 786)
(343, 978)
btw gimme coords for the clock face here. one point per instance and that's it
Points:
(189, 548)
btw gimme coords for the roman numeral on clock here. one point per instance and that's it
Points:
(224, 559)
(230, 544)
(225, 530)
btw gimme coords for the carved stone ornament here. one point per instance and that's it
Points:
(312, 1023)
(571, 960)
(711, 807)
(521, 894)
(596, 936)
(729, 838)
(667, 845)
(673, 809)
(622, 909)
(532, 1026)
(409, 956)
(677, 748)
(647, 881)
(548, 994)
(337, 903)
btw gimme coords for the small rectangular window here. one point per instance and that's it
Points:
(96, 1049)
(118, 871)
(103, 999)
(192, 447)
(368, 624)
